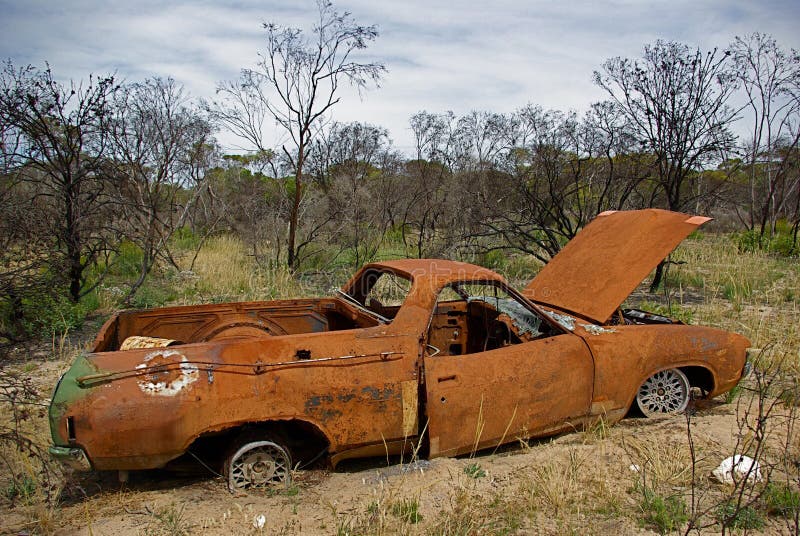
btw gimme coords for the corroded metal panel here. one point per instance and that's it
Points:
(627, 355)
(524, 390)
(166, 397)
(594, 273)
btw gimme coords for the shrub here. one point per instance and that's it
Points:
(474, 470)
(781, 500)
(664, 514)
(46, 316)
(742, 517)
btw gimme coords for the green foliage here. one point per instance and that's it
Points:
(696, 235)
(172, 521)
(393, 235)
(779, 243)
(733, 394)
(22, 489)
(474, 470)
(780, 499)
(128, 260)
(684, 314)
(663, 514)
(47, 315)
(185, 239)
(290, 186)
(737, 290)
(743, 517)
(790, 396)
(407, 510)
(373, 508)
(496, 260)
(153, 295)
(789, 295)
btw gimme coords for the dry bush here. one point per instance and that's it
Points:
(30, 482)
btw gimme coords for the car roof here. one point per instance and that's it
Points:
(440, 271)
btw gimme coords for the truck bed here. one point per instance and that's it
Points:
(202, 323)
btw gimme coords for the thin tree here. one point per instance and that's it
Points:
(770, 78)
(296, 83)
(676, 100)
(160, 146)
(60, 150)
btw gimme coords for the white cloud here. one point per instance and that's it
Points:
(441, 55)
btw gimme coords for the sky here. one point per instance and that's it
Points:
(459, 55)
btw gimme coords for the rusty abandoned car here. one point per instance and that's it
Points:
(434, 355)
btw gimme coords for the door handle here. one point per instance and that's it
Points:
(443, 379)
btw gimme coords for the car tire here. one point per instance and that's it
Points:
(257, 464)
(666, 391)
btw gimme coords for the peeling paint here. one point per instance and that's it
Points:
(593, 329)
(316, 401)
(565, 320)
(188, 375)
(346, 398)
(378, 394)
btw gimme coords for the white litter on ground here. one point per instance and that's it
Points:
(740, 466)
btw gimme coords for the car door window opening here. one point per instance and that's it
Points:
(477, 316)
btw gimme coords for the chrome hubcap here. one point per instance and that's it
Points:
(259, 464)
(664, 392)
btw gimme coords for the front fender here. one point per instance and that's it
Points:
(625, 356)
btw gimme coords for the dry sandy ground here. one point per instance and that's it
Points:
(578, 483)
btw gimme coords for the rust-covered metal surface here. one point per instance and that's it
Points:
(594, 273)
(434, 353)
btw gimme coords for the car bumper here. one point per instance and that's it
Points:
(72, 457)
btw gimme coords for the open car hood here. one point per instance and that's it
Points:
(594, 273)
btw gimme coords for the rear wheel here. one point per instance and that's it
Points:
(664, 392)
(258, 464)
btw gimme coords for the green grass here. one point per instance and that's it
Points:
(474, 470)
(21, 489)
(781, 499)
(744, 517)
(407, 510)
(663, 514)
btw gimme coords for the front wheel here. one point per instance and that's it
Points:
(664, 392)
(258, 465)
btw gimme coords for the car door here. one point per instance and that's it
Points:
(484, 398)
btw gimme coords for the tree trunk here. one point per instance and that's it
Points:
(292, 260)
(75, 268)
(659, 275)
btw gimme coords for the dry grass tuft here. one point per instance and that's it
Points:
(661, 463)
(556, 487)
(225, 271)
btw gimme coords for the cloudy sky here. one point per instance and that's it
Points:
(460, 56)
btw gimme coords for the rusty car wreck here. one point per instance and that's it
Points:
(435, 355)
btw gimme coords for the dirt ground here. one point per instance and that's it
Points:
(579, 483)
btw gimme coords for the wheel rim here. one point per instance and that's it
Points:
(664, 392)
(259, 464)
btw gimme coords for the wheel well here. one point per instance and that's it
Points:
(306, 442)
(700, 377)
